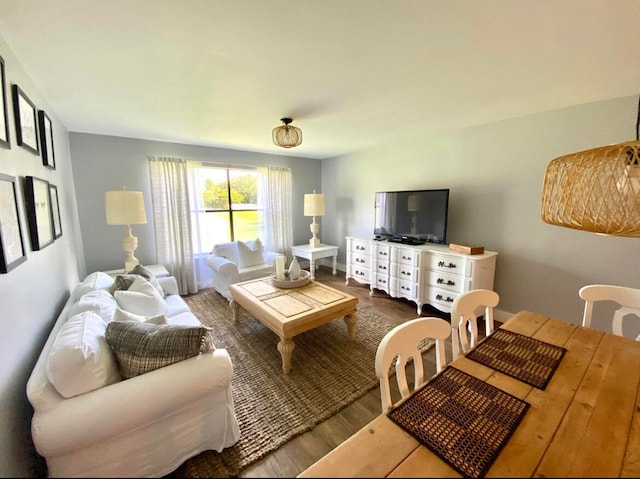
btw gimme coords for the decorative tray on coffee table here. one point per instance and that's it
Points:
(288, 283)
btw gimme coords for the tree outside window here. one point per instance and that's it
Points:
(231, 205)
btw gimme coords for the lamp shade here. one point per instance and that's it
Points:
(314, 204)
(286, 136)
(125, 207)
(595, 190)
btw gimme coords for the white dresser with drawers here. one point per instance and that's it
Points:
(425, 274)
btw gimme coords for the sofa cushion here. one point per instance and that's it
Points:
(122, 315)
(97, 280)
(80, 360)
(149, 276)
(247, 256)
(141, 298)
(99, 301)
(144, 347)
(227, 250)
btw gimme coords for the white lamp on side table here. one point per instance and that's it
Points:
(314, 206)
(126, 208)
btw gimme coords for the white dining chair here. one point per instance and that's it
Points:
(403, 342)
(464, 318)
(627, 299)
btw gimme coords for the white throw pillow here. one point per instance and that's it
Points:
(142, 298)
(255, 245)
(97, 280)
(99, 301)
(80, 359)
(247, 256)
(227, 250)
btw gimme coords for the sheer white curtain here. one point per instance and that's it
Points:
(275, 202)
(172, 219)
(198, 225)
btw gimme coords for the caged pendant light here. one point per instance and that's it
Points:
(596, 190)
(286, 135)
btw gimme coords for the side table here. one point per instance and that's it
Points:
(158, 270)
(312, 254)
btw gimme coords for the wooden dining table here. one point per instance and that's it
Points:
(585, 423)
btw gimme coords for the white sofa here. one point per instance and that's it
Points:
(143, 426)
(238, 261)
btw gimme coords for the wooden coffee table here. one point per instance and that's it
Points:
(289, 312)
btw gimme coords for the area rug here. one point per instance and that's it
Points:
(329, 372)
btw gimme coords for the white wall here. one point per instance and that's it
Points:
(495, 173)
(32, 294)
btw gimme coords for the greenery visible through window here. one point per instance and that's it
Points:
(231, 205)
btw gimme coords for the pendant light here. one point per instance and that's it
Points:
(596, 190)
(286, 135)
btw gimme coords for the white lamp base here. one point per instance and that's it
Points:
(314, 242)
(129, 245)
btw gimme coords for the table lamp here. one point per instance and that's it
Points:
(314, 206)
(126, 208)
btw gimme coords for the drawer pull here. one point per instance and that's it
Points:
(360, 248)
(449, 299)
(359, 260)
(406, 273)
(407, 257)
(405, 288)
(382, 267)
(383, 253)
(442, 264)
(449, 282)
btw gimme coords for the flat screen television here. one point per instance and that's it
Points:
(412, 217)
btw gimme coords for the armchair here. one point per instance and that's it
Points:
(238, 261)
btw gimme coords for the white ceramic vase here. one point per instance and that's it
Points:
(294, 269)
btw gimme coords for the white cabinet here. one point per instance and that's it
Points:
(425, 274)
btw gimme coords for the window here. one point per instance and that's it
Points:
(231, 210)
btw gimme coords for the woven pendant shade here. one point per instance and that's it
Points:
(596, 190)
(286, 136)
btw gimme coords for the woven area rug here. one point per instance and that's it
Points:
(328, 373)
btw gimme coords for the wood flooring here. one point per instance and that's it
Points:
(299, 453)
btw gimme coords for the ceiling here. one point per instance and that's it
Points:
(351, 73)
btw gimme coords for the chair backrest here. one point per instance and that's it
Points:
(403, 342)
(464, 318)
(628, 300)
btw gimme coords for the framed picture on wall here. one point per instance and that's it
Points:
(38, 202)
(55, 211)
(26, 122)
(12, 252)
(46, 140)
(4, 114)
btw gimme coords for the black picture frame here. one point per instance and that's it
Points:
(25, 113)
(46, 140)
(12, 250)
(5, 140)
(55, 211)
(38, 201)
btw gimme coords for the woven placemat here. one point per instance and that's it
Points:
(522, 357)
(462, 419)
